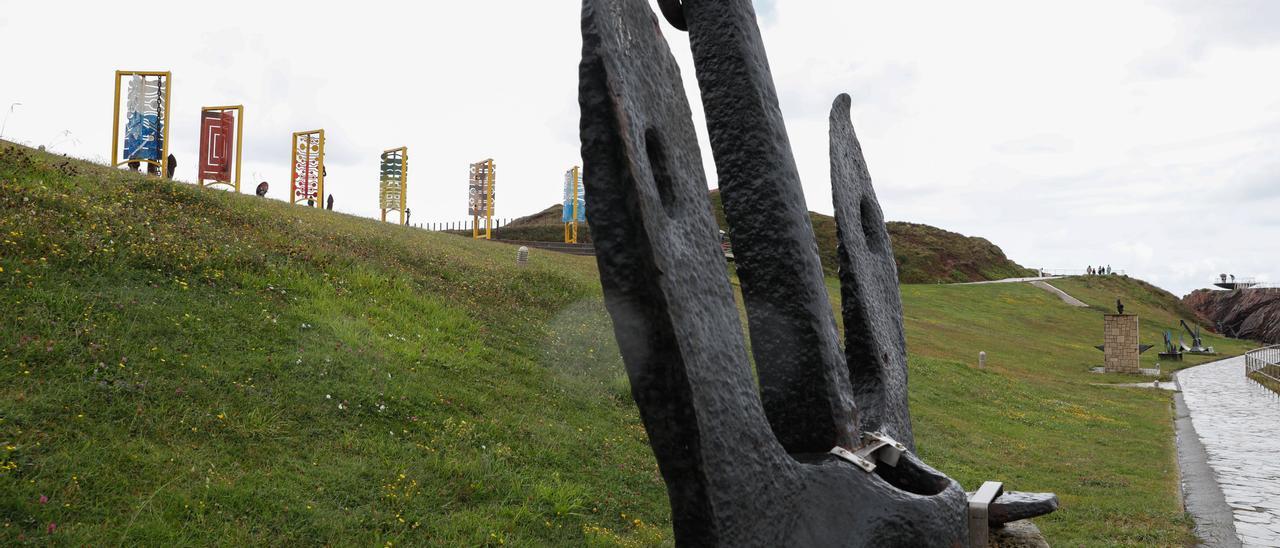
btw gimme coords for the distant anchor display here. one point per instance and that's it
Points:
(1197, 345)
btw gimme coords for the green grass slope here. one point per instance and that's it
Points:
(1158, 311)
(924, 254)
(1035, 416)
(180, 366)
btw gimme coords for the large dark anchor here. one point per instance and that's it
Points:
(822, 454)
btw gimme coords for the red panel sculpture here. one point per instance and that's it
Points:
(217, 130)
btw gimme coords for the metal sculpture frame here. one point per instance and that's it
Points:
(239, 118)
(573, 181)
(166, 79)
(480, 193)
(315, 136)
(386, 177)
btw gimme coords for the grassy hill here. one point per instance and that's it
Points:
(924, 254)
(192, 367)
(180, 366)
(1158, 311)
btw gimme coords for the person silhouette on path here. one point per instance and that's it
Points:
(330, 205)
(173, 166)
(1119, 307)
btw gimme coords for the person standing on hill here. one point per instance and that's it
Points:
(407, 213)
(1119, 306)
(330, 204)
(172, 166)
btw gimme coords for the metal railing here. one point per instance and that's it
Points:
(1073, 272)
(1263, 361)
(461, 225)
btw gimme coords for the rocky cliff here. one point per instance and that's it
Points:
(1244, 313)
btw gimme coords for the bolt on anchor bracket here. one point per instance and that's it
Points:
(876, 448)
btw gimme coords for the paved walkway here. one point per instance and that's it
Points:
(1060, 293)
(1010, 280)
(1040, 282)
(1238, 423)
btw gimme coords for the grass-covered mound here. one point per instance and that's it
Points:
(1035, 419)
(924, 254)
(180, 366)
(192, 367)
(1158, 311)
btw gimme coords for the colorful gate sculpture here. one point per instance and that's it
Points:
(306, 180)
(394, 181)
(219, 162)
(146, 133)
(480, 197)
(574, 207)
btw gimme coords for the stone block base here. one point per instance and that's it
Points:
(1120, 333)
(1018, 534)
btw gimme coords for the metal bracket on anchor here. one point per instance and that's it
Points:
(876, 447)
(979, 510)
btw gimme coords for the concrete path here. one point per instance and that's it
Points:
(1010, 280)
(1042, 283)
(1153, 385)
(1060, 293)
(1237, 422)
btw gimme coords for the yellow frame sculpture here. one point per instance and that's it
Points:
(571, 227)
(483, 169)
(404, 184)
(164, 126)
(310, 136)
(239, 109)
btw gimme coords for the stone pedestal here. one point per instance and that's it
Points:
(1121, 343)
(1018, 534)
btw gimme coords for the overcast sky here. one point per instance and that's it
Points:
(1143, 135)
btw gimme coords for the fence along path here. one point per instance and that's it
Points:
(1264, 361)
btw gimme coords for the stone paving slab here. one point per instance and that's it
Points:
(1237, 420)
